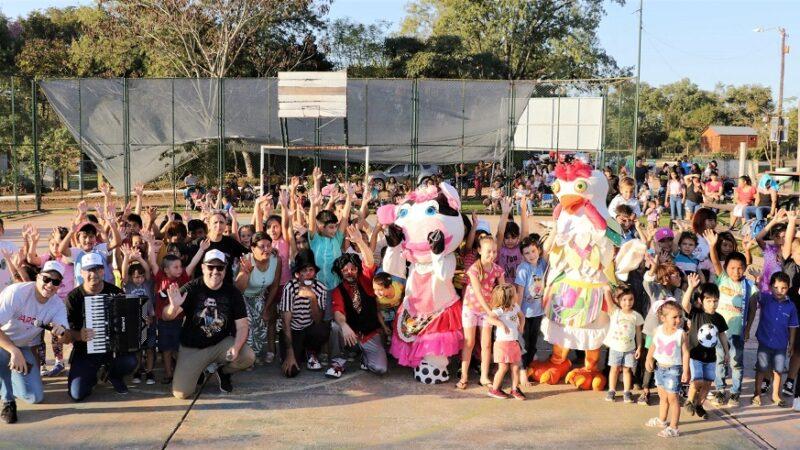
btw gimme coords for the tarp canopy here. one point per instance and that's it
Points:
(455, 120)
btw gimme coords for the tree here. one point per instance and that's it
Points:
(355, 46)
(533, 39)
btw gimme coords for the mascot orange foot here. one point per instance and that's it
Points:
(557, 367)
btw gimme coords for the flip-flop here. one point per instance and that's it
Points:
(486, 383)
(461, 385)
(780, 403)
(756, 400)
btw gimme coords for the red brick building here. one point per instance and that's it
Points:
(722, 139)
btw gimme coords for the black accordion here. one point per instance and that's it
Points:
(118, 321)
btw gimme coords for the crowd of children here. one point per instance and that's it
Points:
(680, 326)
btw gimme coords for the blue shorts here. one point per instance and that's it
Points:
(169, 335)
(151, 337)
(702, 371)
(770, 359)
(625, 359)
(692, 207)
(669, 378)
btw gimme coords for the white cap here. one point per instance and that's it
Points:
(483, 225)
(53, 266)
(91, 260)
(212, 255)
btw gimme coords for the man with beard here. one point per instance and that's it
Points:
(23, 307)
(357, 320)
(215, 328)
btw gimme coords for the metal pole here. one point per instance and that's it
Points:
(797, 163)
(126, 149)
(638, 81)
(37, 187)
(80, 141)
(510, 135)
(14, 146)
(221, 140)
(285, 143)
(460, 183)
(174, 180)
(316, 142)
(414, 131)
(347, 153)
(782, 31)
(261, 169)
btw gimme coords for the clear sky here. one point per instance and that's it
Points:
(706, 41)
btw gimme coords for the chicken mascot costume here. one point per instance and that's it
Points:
(582, 264)
(424, 231)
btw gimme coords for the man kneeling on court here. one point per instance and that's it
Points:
(214, 331)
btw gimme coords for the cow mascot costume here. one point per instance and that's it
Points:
(582, 263)
(424, 231)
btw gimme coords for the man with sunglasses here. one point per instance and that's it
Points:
(214, 331)
(24, 307)
(84, 368)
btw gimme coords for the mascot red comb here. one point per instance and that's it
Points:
(582, 264)
(424, 231)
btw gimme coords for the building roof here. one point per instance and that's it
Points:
(733, 131)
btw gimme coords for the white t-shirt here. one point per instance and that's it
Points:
(511, 319)
(5, 275)
(19, 309)
(621, 335)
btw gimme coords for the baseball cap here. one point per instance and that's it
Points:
(54, 266)
(91, 260)
(483, 225)
(212, 255)
(664, 233)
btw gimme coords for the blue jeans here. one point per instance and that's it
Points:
(83, 372)
(676, 207)
(13, 384)
(519, 207)
(736, 350)
(759, 212)
(692, 207)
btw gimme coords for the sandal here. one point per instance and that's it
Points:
(669, 432)
(655, 422)
(780, 403)
(486, 383)
(461, 385)
(756, 400)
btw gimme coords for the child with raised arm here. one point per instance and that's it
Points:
(706, 331)
(624, 342)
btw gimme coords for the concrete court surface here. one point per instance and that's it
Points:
(363, 410)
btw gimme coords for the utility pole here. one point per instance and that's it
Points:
(638, 82)
(782, 31)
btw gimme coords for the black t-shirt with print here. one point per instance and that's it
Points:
(211, 315)
(231, 248)
(704, 334)
(76, 313)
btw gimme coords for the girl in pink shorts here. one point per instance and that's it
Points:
(483, 276)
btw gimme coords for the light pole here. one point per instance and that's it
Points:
(784, 51)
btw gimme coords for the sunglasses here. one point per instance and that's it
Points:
(215, 267)
(54, 281)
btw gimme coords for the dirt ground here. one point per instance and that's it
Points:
(363, 410)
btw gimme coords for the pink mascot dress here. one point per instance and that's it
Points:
(424, 231)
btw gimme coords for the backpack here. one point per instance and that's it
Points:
(756, 227)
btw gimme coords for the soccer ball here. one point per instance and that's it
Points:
(430, 374)
(707, 335)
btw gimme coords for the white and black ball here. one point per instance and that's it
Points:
(707, 335)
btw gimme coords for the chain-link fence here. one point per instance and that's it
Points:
(61, 137)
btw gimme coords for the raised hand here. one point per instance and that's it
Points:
(505, 205)
(354, 234)
(138, 189)
(204, 244)
(105, 189)
(694, 280)
(283, 198)
(83, 208)
(317, 173)
(711, 237)
(176, 299)
(245, 265)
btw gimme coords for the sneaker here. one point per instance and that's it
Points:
(690, 408)
(627, 397)
(655, 422)
(711, 394)
(518, 395)
(57, 369)
(796, 404)
(788, 387)
(119, 386)
(701, 412)
(669, 432)
(644, 400)
(43, 371)
(225, 384)
(334, 371)
(150, 378)
(313, 363)
(497, 393)
(719, 399)
(9, 413)
(610, 395)
(734, 402)
(269, 357)
(137, 378)
(364, 366)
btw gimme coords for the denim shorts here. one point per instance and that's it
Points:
(169, 335)
(151, 337)
(702, 371)
(669, 378)
(691, 206)
(625, 359)
(770, 359)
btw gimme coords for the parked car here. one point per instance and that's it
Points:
(402, 172)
